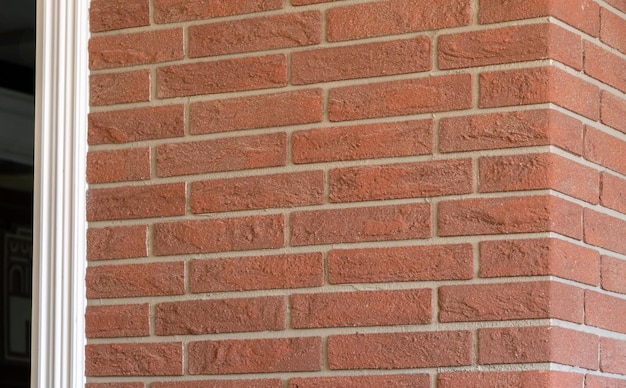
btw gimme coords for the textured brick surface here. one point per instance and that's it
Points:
(117, 242)
(605, 231)
(524, 379)
(612, 355)
(170, 11)
(145, 359)
(106, 15)
(613, 110)
(119, 165)
(117, 321)
(605, 149)
(124, 281)
(391, 381)
(120, 88)
(613, 274)
(213, 383)
(605, 66)
(600, 309)
(594, 381)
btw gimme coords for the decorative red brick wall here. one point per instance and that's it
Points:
(318, 193)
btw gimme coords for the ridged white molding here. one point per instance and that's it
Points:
(59, 251)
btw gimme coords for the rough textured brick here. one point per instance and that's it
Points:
(258, 192)
(604, 149)
(613, 274)
(270, 110)
(117, 321)
(133, 280)
(400, 350)
(132, 164)
(395, 17)
(514, 379)
(613, 29)
(510, 45)
(257, 355)
(257, 273)
(171, 11)
(115, 385)
(226, 154)
(387, 381)
(258, 34)
(511, 130)
(361, 61)
(239, 383)
(605, 66)
(306, 2)
(594, 381)
(537, 257)
(539, 85)
(619, 4)
(144, 359)
(400, 307)
(136, 49)
(612, 355)
(539, 171)
(605, 231)
(125, 126)
(537, 344)
(585, 16)
(510, 215)
(128, 202)
(397, 98)
(510, 301)
(119, 88)
(601, 310)
(219, 235)
(363, 141)
(406, 180)
(117, 242)
(220, 316)
(228, 75)
(612, 192)
(401, 264)
(613, 111)
(381, 223)
(106, 15)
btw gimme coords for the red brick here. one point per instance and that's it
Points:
(306, 2)
(257, 273)
(270, 110)
(539, 171)
(594, 381)
(139, 48)
(401, 264)
(585, 16)
(513, 379)
(239, 383)
(511, 130)
(363, 141)
(613, 274)
(130, 125)
(117, 321)
(400, 350)
(613, 29)
(361, 61)
(120, 88)
(228, 154)
(115, 385)
(605, 66)
(219, 235)
(144, 359)
(117, 242)
(387, 381)
(397, 98)
(220, 316)
(510, 45)
(612, 192)
(537, 344)
(537, 86)
(619, 4)
(258, 34)
(258, 192)
(612, 355)
(107, 15)
(395, 17)
(120, 203)
(228, 75)
(364, 308)
(537, 257)
(381, 223)
(123, 281)
(132, 164)
(510, 215)
(605, 231)
(605, 311)
(613, 111)
(256, 355)
(510, 301)
(406, 180)
(605, 150)
(171, 11)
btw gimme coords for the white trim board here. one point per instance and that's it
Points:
(59, 246)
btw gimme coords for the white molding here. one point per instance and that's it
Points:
(61, 102)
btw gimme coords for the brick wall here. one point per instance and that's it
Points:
(319, 193)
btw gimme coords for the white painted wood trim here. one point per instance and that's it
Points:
(59, 246)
